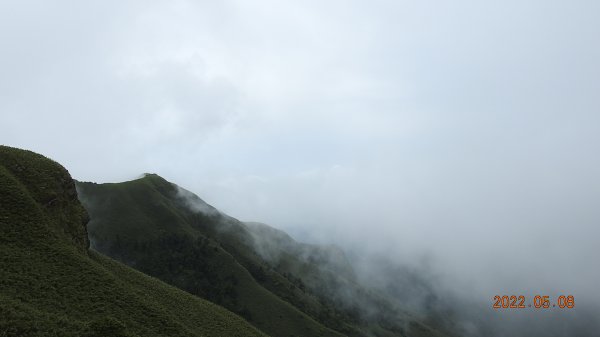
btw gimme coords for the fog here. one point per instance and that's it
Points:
(458, 139)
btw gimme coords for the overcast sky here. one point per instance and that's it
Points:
(466, 131)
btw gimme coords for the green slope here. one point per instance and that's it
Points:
(50, 285)
(282, 287)
(325, 272)
(148, 223)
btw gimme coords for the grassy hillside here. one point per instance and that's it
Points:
(325, 272)
(282, 287)
(50, 285)
(150, 224)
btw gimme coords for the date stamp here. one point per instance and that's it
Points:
(538, 302)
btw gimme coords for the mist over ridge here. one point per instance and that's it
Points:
(418, 285)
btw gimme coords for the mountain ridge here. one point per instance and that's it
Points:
(295, 273)
(232, 286)
(52, 285)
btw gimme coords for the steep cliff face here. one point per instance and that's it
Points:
(52, 190)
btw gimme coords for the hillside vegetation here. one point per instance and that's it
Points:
(51, 285)
(282, 287)
(150, 224)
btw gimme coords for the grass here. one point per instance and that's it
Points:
(146, 224)
(282, 287)
(51, 285)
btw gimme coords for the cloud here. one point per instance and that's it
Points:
(464, 130)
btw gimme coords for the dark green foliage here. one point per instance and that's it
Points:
(51, 285)
(278, 285)
(147, 224)
(106, 327)
(51, 189)
(187, 263)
